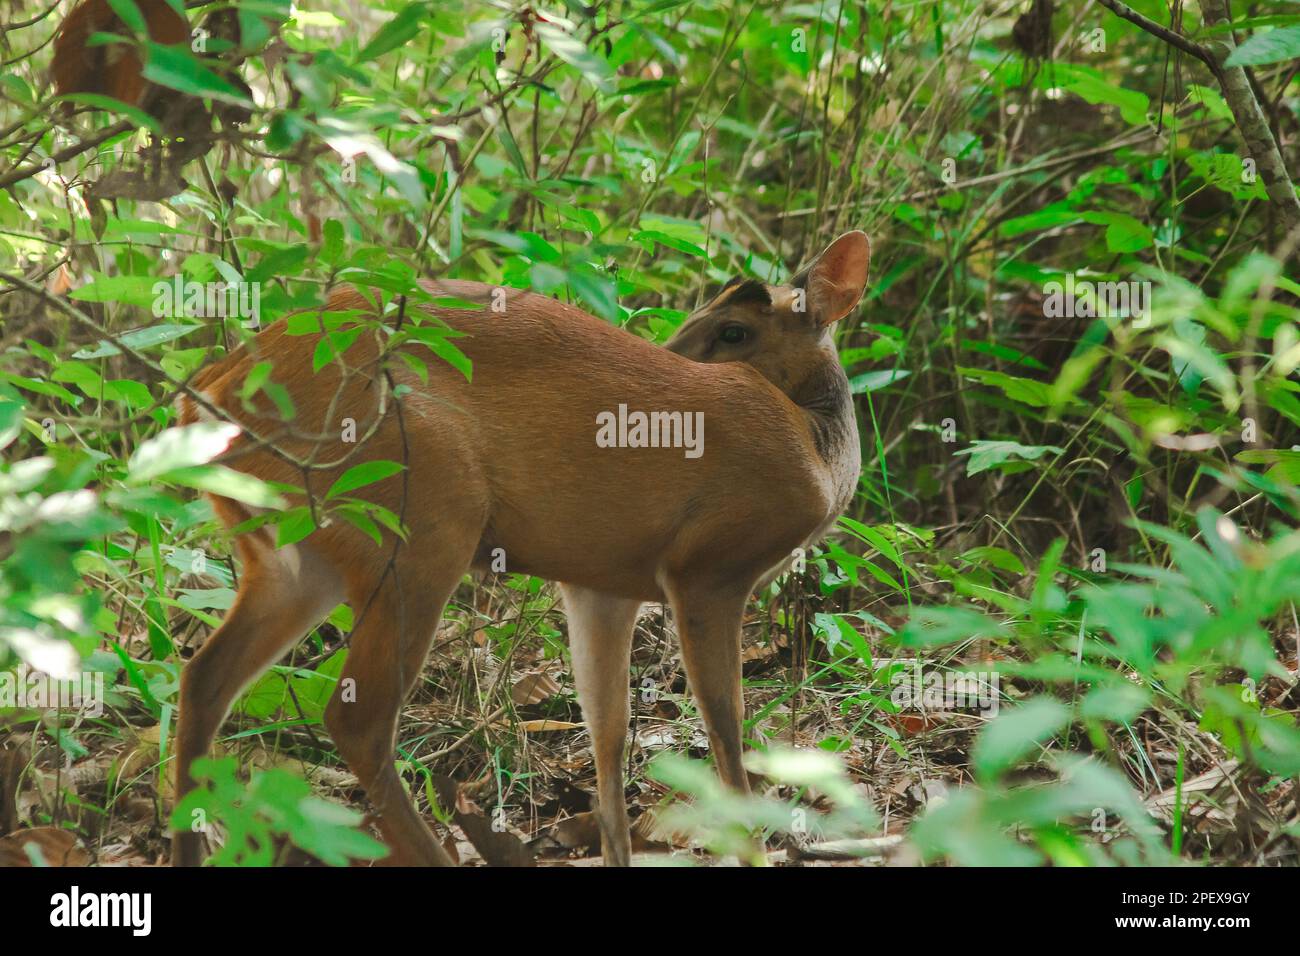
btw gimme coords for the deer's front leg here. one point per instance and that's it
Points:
(600, 640)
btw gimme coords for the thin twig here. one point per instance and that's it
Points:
(1190, 47)
(26, 172)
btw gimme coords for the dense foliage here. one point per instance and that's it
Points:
(1075, 372)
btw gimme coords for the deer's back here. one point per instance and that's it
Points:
(516, 446)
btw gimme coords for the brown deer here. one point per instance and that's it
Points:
(113, 69)
(514, 460)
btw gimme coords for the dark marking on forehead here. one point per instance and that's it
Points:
(741, 291)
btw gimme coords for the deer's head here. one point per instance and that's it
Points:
(782, 331)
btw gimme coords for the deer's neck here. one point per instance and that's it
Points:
(827, 403)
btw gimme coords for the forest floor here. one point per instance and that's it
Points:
(494, 728)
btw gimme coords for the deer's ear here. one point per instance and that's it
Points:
(836, 280)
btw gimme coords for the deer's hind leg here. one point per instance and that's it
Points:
(600, 641)
(397, 613)
(282, 595)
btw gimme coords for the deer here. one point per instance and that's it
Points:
(113, 69)
(183, 127)
(508, 463)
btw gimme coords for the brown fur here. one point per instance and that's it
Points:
(114, 69)
(510, 461)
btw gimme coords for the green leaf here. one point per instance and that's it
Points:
(41, 387)
(835, 629)
(358, 519)
(877, 539)
(1226, 172)
(332, 346)
(396, 32)
(181, 447)
(934, 626)
(439, 342)
(871, 381)
(1193, 361)
(130, 15)
(179, 69)
(512, 151)
(574, 52)
(107, 103)
(331, 251)
(348, 137)
(1275, 46)
(137, 340)
(358, 476)
(960, 828)
(649, 237)
(1211, 99)
(990, 454)
(1057, 214)
(254, 30)
(1124, 233)
(1015, 734)
(597, 291)
(1019, 389)
(1000, 558)
(11, 417)
(273, 803)
(1046, 596)
(227, 483)
(198, 599)
(129, 290)
(1096, 87)
(293, 526)
(1120, 702)
(285, 260)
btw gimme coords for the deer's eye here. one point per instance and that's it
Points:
(733, 334)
